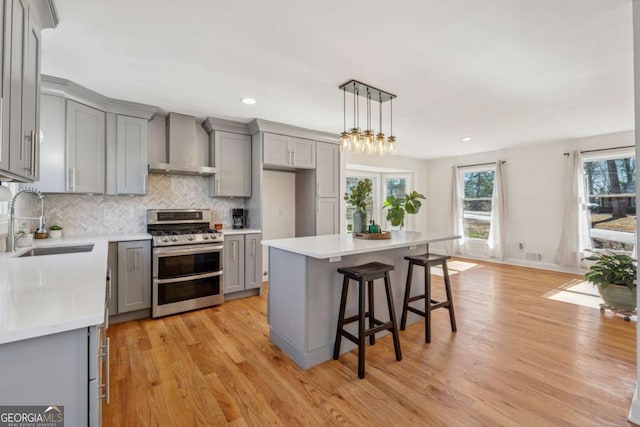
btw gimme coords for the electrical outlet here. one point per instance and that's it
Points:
(521, 246)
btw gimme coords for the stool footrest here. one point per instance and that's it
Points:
(417, 297)
(416, 311)
(436, 304)
(382, 326)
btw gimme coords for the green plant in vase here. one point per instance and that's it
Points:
(399, 207)
(360, 198)
(616, 277)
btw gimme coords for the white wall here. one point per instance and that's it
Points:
(417, 166)
(278, 208)
(534, 179)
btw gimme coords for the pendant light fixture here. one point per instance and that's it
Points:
(357, 141)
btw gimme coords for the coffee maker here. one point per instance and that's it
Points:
(239, 218)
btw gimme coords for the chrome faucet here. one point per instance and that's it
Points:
(13, 237)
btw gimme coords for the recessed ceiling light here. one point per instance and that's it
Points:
(249, 101)
(465, 139)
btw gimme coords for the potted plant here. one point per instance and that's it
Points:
(55, 231)
(360, 198)
(398, 207)
(616, 276)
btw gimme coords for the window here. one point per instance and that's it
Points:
(610, 182)
(476, 202)
(384, 184)
(352, 179)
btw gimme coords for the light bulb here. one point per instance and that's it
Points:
(344, 141)
(391, 144)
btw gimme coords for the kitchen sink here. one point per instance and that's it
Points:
(56, 250)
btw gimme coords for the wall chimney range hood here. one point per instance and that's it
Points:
(182, 154)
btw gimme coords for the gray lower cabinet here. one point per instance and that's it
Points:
(253, 260)
(232, 159)
(85, 149)
(242, 262)
(58, 369)
(134, 275)
(233, 266)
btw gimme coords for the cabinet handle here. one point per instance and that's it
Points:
(293, 158)
(72, 179)
(1, 124)
(317, 205)
(144, 183)
(317, 189)
(109, 283)
(34, 152)
(106, 318)
(253, 248)
(105, 358)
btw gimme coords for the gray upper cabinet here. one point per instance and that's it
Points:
(288, 152)
(85, 149)
(31, 101)
(53, 176)
(90, 143)
(327, 216)
(327, 169)
(17, 155)
(134, 275)
(20, 26)
(232, 160)
(234, 263)
(132, 142)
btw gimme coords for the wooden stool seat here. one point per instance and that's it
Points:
(362, 274)
(427, 261)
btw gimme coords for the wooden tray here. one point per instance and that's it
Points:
(373, 236)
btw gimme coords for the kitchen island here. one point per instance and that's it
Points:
(304, 287)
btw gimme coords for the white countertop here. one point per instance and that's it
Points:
(235, 231)
(322, 247)
(47, 294)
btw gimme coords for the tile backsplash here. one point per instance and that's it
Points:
(81, 214)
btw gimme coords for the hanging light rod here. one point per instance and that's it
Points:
(359, 88)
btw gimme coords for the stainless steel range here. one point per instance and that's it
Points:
(187, 260)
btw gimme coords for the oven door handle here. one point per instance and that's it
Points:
(190, 251)
(189, 278)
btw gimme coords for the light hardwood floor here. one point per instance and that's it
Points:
(517, 359)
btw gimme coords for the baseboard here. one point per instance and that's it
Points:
(634, 410)
(521, 263)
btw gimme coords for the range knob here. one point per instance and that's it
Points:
(190, 237)
(174, 239)
(164, 239)
(205, 237)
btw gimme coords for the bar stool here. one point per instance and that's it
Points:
(366, 273)
(427, 261)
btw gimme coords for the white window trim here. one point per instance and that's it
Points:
(471, 169)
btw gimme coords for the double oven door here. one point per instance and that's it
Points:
(186, 278)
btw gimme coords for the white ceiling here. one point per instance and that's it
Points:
(506, 72)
